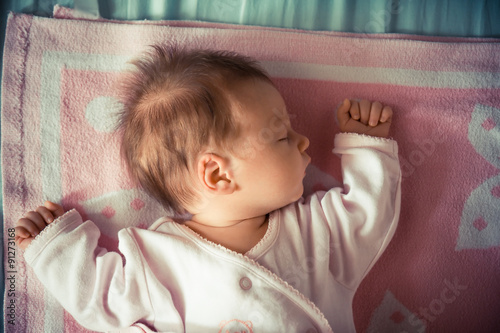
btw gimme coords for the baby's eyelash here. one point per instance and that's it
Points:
(283, 139)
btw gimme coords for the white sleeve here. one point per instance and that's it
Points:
(362, 216)
(95, 286)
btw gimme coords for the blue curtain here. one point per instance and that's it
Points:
(426, 17)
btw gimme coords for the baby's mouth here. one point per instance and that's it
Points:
(308, 160)
(307, 164)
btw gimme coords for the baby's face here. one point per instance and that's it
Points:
(271, 159)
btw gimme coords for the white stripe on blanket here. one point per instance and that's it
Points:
(396, 76)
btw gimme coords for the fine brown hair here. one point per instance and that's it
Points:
(176, 104)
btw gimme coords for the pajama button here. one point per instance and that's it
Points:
(245, 283)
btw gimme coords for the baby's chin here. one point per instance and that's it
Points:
(300, 192)
(293, 199)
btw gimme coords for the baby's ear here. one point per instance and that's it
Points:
(214, 174)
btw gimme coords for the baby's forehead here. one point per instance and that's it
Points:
(257, 105)
(263, 122)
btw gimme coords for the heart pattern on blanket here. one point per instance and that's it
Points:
(480, 222)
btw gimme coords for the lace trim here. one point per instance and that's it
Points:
(209, 244)
(268, 240)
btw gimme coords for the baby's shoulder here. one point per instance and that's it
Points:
(165, 224)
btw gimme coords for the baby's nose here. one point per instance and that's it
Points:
(303, 143)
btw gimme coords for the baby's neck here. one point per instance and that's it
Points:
(239, 236)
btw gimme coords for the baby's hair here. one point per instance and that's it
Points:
(175, 105)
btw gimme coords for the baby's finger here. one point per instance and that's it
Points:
(35, 218)
(375, 111)
(354, 110)
(22, 232)
(364, 110)
(343, 112)
(30, 226)
(57, 210)
(46, 214)
(23, 242)
(386, 114)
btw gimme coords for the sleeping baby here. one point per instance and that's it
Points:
(207, 134)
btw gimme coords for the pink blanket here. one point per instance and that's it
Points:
(441, 273)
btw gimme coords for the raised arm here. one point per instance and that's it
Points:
(366, 208)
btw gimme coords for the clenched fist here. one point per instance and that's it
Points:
(364, 117)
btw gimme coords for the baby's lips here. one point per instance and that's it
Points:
(307, 163)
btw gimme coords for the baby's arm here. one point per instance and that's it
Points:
(364, 117)
(364, 212)
(92, 284)
(33, 222)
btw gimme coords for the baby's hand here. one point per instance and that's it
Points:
(364, 117)
(33, 222)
